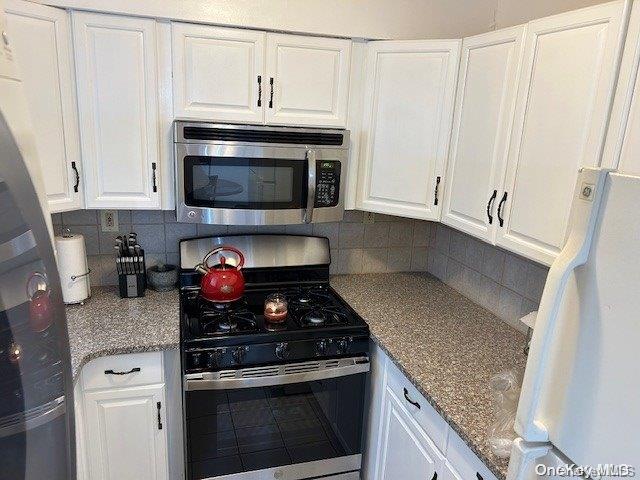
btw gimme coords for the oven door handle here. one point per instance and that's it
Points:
(266, 376)
(311, 185)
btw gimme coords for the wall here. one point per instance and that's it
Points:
(348, 18)
(375, 19)
(514, 12)
(505, 284)
(390, 244)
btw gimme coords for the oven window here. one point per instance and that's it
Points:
(244, 183)
(233, 431)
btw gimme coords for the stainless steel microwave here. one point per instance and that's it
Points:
(257, 175)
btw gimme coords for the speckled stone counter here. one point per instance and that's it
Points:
(446, 345)
(108, 325)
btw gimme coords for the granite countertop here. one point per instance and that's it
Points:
(445, 344)
(108, 325)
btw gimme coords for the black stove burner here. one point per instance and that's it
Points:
(225, 318)
(315, 307)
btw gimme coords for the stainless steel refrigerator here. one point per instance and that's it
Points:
(36, 386)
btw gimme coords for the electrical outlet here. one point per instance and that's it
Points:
(369, 217)
(109, 220)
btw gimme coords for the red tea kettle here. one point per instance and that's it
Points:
(221, 283)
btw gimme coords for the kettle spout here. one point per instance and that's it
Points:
(200, 268)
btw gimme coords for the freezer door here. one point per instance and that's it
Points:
(581, 388)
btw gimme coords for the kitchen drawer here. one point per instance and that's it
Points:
(144, 368)
(426, 416)
(464, 462)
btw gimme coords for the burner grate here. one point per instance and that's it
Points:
(225, 318)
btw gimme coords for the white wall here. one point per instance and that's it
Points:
(348, 18)
(515, 12)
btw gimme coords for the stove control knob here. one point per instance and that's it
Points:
(322, 347)
(196, 358)
(239, 353)
(282, 350)
(213, 358)
(342, 345)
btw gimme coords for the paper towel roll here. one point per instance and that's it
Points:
(73, 268)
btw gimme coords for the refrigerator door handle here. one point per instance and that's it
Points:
(522, 456)
(584, 214)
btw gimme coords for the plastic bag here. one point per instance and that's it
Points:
(505, 391)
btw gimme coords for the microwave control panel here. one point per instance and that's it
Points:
(327, 183)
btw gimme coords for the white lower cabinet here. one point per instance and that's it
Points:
(126, 426)
(122, 427)
(407, 438)
(406, 451)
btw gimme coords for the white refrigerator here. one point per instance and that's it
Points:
(580, 399)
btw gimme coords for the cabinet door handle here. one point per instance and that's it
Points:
(159, 405)
(111, 372)
(412, 402)
(435, 476)
(75, 171)
(271, 92)
(500, 207)
(259, 90)
(153, 170)
(478, 476)
(435, 196)
(490, 206)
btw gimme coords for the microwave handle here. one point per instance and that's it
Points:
(311, 185)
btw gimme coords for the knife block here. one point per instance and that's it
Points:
(131, 285)
(132, 277)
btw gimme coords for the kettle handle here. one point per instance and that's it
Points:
(223, 248)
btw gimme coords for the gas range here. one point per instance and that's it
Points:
(269, 392)
(319, 324)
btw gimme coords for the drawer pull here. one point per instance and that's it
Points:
(111, 372)
(478, 476)
(415, 404)
(435, 476)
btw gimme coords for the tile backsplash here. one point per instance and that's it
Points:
(502, 282)
(506, 284)
(390, 244)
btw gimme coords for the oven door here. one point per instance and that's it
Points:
(292, 421)
(258, 184)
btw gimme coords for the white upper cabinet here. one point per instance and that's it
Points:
(563, 98)
(307, 80)
(409, 97)
(117, 73)
(218, 73)
(41, 37)
(623, 140)
(482, 122)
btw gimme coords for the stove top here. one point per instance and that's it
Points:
(319, 323)
(309, 307)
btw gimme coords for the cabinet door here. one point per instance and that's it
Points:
(409, 99)
(561, 110)
(623, 139)
(308, 80)
(125, 433)
(41, 37)
(405, 451)
(116, 66)
(218, 73)
(485, 103)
